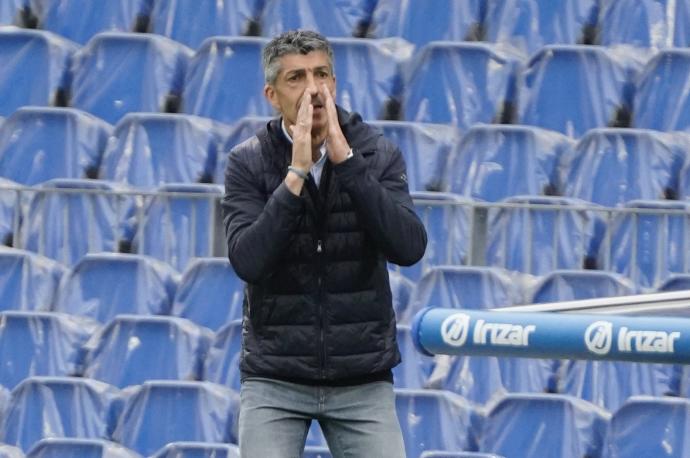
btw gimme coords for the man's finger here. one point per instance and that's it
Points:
(331, 112)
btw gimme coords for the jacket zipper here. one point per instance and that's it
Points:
(322, 332)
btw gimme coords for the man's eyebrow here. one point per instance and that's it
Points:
(295, 71)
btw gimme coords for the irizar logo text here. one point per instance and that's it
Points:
(455, 330)
(599, 339)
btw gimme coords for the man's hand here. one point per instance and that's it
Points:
(336, 144)
(301, 144)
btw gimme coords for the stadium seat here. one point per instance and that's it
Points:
(222, 365)
(148, 150)
(181, 222)
(401, 288)
(649, 244)
(131, 349)
(242, 130)
(117, 73)
(444, 20)
(88, 288)
(79, 20)
(225, 80)
(649, 426)
(332, 18)
(675, 282)
(44, 407)
(574, 88)
(193, 411)
(10, 13)
(538, 234)
(198, 450)
(531, 24)
(44, 56)
(69, 218)
(435, 420)
(461, 84)
(415, 367)
(426, 149)
(28, 281)
(496, 162)
(39, 352)
(612, 166)
(645, 23)
(316, 452)
(368, 76)
(210, 293)
(192, 21)
(447, 219)
(9, 211)
(8, 451)
(79, 448)
(572, 285)
(38, 144)
(540, 425)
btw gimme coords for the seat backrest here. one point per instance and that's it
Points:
(242, 130)
(148, 150)
(43, 407)
(194, 411)
(10, 12)
(88, 289)
(222, 364)
(330, 17)
(39, 143)
(210, 293)
(225, 80)
(119, 73)
(495, 162)
(131, 349)
(571, 285)
(28, 281)
(51, 344)
(645, 23)
(415, 367)
(44, 56)
(461, 84)
(8, 451)
(198, 450)
(79, 448)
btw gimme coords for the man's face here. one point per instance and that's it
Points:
(299, 73)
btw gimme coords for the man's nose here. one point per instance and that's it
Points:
(312, 88)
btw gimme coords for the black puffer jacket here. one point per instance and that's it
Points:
(317, 306)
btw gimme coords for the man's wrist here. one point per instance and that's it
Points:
(297, 171)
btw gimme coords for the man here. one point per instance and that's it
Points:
(315, 205)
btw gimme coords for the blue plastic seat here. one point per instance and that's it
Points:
(649, 426)
(88, 288)
(660, 102)
(198, 450)
(531, 24)
(167, 348)
(210, 293)
(44, 56)
(612, 166)
(222, 364)
(150, 149)
(446, 218)
(435, 420)
(225, 80)
(401, 288)
(28, 344)
(539, 425)
(79, 20)
(446, 20)
(242, 130)
(180, 223)
(38, 144)
(192, 21)
(331, 18)
(572, 285)
(650, 244)
(68, 218)
(574, 88)
(415, 367)
(10, 14)
(192, 411)
(8, 451)
(117, 73)
(538, 234)
(461, 84)
(495, 162)
(28, 281)
(79, 448)
(645, 23)
(316, 452)
(43, 407)
(675, 282)
(426, 149)
(10, 213)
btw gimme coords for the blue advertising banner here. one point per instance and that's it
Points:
(551, 335)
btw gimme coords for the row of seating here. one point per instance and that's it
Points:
(567, 88)
(513, 425)
(488, 162)
(527, 24)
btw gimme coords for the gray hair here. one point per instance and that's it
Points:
(292, 42)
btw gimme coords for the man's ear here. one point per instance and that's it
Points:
(270, 94)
